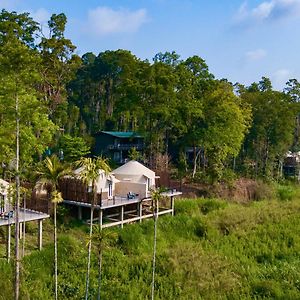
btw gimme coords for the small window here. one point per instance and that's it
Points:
(110, 189)
(148, 184)
(117, 156)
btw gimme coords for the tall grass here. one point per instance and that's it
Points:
(209, 250)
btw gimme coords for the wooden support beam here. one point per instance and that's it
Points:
(140, 211)
(150, 215)
(40, 234)
(122, 216)
(8, 245)
(20, 230)
(172, 205)
(100, 218)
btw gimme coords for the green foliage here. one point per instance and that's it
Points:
(74, 148)
(207, 206)
(230, 252)
(134, 154)
(286, 192)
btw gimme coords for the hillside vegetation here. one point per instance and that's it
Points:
(211, 249)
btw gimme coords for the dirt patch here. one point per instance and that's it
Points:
(243, 190)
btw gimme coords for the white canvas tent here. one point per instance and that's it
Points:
(105, 183)
(134, 177)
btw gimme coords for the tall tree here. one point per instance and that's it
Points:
(156, 196)
(49, 175)
(19, 107)
(91, 170)
(101, 240)
(59, 64)
(272, 129)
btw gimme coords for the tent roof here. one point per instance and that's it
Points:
(133, 167)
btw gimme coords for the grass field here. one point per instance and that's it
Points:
(210, 249)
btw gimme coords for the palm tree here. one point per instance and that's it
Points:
(101, 241)
(156, 197)
(50, 173)
(91, 170)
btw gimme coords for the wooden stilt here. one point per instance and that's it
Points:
(122, 216)
(8, 246)
(140, 208)
(40, 234)
(21, 231)
(172, 205)
(100, 218)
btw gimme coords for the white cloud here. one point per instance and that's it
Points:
(280, 77)
(271, 10)
(104, 20)
(41, 15)
(255, 55)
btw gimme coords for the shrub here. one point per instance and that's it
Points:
(263, 191)
(207, 206)
(285, 192)
(267, 289)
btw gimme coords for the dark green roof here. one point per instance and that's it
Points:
(121, 134)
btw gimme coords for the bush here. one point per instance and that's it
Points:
(285, 192)
(207, 206)
(263, 191)
(267, 289)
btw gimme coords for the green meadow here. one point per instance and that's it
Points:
(210, 249)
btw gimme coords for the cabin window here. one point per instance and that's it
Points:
(117, 156)
(110, 189)
(148, 184)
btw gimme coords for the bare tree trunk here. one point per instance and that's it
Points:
(99, 273)
(55, 253)
(24, 226)
(154, 250)
(87, 284)
(17, 227)
(195, 162)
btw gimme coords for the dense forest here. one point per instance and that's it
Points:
(64, 99)
(53, 101)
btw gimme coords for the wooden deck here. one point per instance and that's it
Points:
(117, 201)
(121, 210)
(26, 215)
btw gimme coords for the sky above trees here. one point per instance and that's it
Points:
(240, 40)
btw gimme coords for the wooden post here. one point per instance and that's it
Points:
(122, 216)
(8, 246)
(79, 212)
(140, 211)
(20, 231)
(172, 205)
(40, 234)
(100, 218)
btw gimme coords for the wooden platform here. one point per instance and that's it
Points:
(121, 210)
(26, 215)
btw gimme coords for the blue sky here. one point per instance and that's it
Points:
(240, 40)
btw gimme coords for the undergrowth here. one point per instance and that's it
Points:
(210, 249)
